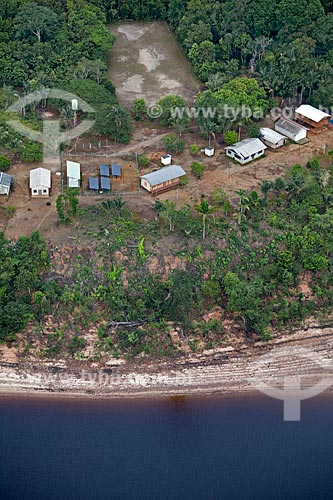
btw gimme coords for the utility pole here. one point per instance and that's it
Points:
(137, 171)
(62, 171)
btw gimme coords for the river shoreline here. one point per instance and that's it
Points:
(219, 372)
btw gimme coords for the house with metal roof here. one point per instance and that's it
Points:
(291, 129)
(317, 119)
(271, 138)
(163, 179)
(246, 150)
(6, 182)
(40, 182)
(73, 174)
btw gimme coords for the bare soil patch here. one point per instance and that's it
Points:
(147, 62)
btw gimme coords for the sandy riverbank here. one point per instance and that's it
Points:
(221, 371)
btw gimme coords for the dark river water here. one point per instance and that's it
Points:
(175, 448)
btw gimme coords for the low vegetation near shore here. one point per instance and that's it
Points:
(252, 266)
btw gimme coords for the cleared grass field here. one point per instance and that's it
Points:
(147, 62)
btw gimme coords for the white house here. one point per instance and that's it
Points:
(40, 182)
(166, 159)
(290, 129)
(6, 182)
(73, 174)
(163, 179)
(272, 138)
(246, 150)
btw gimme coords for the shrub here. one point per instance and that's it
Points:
(139, 109)
(211, 289)
(197, 169)
(183, 181)
(76, 344)
(4, 163)
(313, 164)
(31, 152)
(173, 143)
(194, 149)
(10, 211)
(143, 161)
(230, 137)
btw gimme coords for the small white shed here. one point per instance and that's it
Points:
(40, 182)
(166, 159)
(209, 151)
(291, 129)
(6, 182)
(73, 174)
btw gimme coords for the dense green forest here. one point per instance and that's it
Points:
(286, 47)
(251, 258)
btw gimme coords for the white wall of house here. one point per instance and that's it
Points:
(274, 145)
(4, 190)
(233, 154)
(40, 191)
(145, 184)
(301, 134)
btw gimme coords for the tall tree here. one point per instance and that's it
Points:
(35, 19)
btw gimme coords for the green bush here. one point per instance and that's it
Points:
(4, 163)
(230, 137)
(143, 161)
(197, 169)
(173, 143)
(31, 152)
(194, 149)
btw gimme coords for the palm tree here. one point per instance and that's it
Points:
(278, 185)
(204, 209)
(244, 204)
(265, 187)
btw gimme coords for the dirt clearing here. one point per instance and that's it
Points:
(147, 62)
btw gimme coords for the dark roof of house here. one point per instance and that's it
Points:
(116, 170)
(164, 174)
(105, 183)
(104, 170)
(93, 183)
(5, 179)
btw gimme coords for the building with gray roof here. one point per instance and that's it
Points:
(163, 179)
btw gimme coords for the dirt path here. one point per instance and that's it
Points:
(139, 146)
